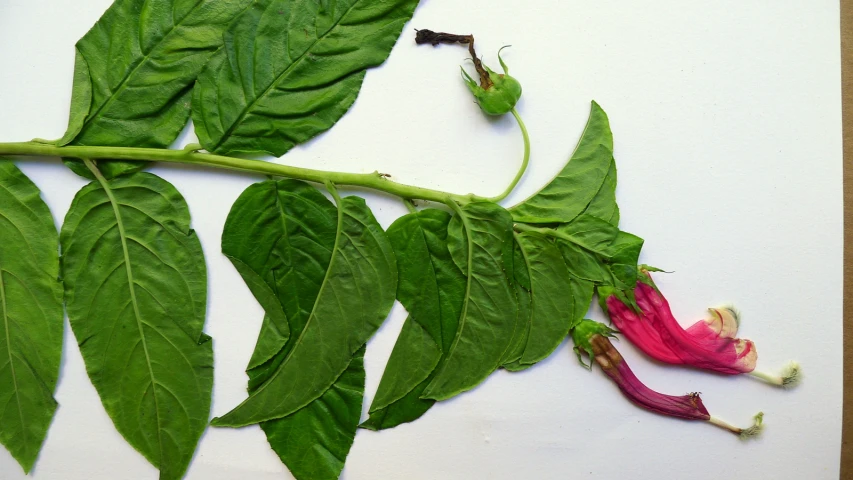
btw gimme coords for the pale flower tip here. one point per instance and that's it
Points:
(756, 428)
(731, 310)
(724, 320)
(742, 433)
(792, 375)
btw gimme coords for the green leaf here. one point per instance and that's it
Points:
(136, 293)
(81, 99)
(521, 284)
(407, 409)
(142, 59)
(581, 291)
(512, 360)
(552, 304)
(280, 235)
(480, 241)
(275, 329)
(604, 205)
(313, 61)
(30, 315)
(584, 264)
(413, 359)
(596, 251)
(625, 249)
(591, 233)
(431, 288)
(354, 297)
(580, 181)
(623, 256)
(314, 441)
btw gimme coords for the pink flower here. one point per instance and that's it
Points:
(709, 344)
(591, 337)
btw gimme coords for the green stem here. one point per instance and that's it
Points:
(524, 162)
(410, 205)
(370, 180)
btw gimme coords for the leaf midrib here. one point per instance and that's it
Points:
(120, 224)
(123, 84)
(12, 360)
(228, 132)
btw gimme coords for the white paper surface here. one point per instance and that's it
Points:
(727, 124)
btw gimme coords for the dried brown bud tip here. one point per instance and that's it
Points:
(434, 38)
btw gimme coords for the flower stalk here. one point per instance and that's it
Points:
(524, 162)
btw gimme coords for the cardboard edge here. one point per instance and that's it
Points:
(847, 130)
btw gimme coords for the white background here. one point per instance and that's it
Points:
(727, 124)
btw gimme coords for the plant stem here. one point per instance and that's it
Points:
(524, 161)
(373, 180)
(410, 206)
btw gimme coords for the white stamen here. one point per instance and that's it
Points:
(755, 429)
(790, 376)
(743, 433)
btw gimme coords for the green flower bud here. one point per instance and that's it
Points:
(497, 93)
(583, 333)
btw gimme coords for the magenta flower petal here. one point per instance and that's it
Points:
(641, 331)
(688, 406)
(708, 344)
